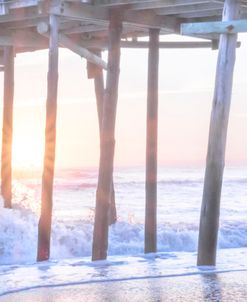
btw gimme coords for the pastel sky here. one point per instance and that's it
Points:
(185, 94)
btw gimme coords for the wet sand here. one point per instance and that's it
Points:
(210, 287)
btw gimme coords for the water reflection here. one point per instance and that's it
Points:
(211, 287)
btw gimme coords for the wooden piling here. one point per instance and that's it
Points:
(96, 73)
(8, 98)
(151, 143)
(210, 210)
(100, 235)
(50, 143)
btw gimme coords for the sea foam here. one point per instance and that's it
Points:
(179, 201)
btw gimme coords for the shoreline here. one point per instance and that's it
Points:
(142, 275)
(205, 286)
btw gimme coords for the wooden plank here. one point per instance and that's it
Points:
(43, 29)
(7, 131)
(163, 4)
(81, 12)
(102, 44)
(215, 13)
(23, 24)
(209, 221)
(148, 19)
(118, 2)
(50, 144)
(224, 27)
(67, 42)
(27, 44)
(151, 146)
(23, 38)
(23, 14)
(27, 39)
(100, 235)
(189, 8)
(168, 45)
(143, 19)
(96, 73)
(94, 29)
(147, 4)
(82, 28)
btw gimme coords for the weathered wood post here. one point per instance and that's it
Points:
(96, 73)
(50, 143)
(210, 210)
(8, 98)
(100, 235)
(151, 143)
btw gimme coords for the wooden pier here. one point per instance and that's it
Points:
(87, 27)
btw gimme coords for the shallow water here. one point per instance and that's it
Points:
(117, 269)
(211, 287)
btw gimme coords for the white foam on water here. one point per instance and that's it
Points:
(179, 199)
(72, 228)
(18, 241)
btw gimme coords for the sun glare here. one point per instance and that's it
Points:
(27, 153)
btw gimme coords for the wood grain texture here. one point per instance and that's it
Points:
(44, 232)
(7, 131)
(100, 235)
(209, 221)
(151, 144)
(96, 73)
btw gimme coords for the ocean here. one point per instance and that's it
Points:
(179, 201)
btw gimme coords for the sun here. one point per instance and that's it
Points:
(27, 153)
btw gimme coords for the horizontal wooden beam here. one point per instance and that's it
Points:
(21, 24)
(30, 42)
(89, 28)
(19, 50)
(226, 27)
(189, 8)
(147, 4)
(164, 4)
(99, 29)
(118, 2)
(210, 13)
(43, 29)
(149, 19)
(168, 45)
(103, 44)
(143, 19)
(23, 38)
(23, 14)
(81, 12)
